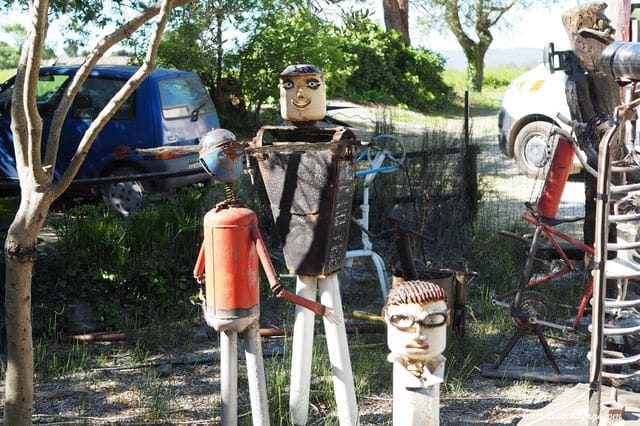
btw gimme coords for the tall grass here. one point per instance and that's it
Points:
(496, 80)
(128, 268)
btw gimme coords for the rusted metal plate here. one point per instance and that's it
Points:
(310, 193)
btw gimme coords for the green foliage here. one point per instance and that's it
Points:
(287, 38)
(361, 61)
(126, 267)
(8, 56)
(389, 71)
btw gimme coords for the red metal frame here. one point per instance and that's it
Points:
(544, 214)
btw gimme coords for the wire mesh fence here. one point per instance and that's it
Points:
(447, 190)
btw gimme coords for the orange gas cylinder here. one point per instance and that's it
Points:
(231, 264)
(556, 180)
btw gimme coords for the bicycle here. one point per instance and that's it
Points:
(385, 154)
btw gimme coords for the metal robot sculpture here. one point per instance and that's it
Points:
(228, 266)
(310, 191)
(416, 315)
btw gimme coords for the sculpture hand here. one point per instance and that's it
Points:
(331, 316)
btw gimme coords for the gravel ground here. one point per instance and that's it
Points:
(182, 386)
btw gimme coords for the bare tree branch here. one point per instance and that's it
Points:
(85, 69)
(118, 99)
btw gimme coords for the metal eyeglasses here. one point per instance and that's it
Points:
(430, 320)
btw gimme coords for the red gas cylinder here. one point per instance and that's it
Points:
(231, 264)
(556, 180)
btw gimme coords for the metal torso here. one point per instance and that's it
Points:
(231, 265)
(310, 193)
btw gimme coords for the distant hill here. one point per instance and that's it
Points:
(496, 57)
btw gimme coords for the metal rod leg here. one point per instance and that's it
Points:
(382, 275)
(339, 353)
(512, 342)
(528, 267)
(255, 376)
(301, 353)
(229, 377)
(546, 348)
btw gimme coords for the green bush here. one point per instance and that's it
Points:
(126, 268)
(388, 71)
(361, 62)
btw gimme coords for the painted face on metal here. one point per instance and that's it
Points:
(302, 97)
(417, 330)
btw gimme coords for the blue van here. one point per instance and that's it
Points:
(170, 107)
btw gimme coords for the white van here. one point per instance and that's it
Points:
(529, 109)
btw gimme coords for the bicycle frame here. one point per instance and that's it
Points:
(376, 166)
(543, 218)
(550, 233)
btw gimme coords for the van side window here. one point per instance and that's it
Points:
(181, 97)
(95, 93)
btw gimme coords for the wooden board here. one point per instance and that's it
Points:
(538, 374)
(572, 407)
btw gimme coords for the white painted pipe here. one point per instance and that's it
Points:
(255, 376)
(302, 352)
(337, 343)
(414, 405)
(383, 279)
(229, 377)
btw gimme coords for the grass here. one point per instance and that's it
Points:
(496, 80)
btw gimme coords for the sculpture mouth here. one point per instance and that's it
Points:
(417, 346)
(301, 105)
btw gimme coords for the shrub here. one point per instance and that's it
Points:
(127, 268)
(389, 71)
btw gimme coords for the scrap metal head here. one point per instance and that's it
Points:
(302, 94)
(221, 155)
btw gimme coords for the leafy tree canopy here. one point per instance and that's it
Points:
(360, 60)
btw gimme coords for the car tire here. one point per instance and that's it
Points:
(531, 149)
(126, 197)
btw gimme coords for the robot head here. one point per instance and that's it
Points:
(416, 315)
(302, 94)
(221, 155)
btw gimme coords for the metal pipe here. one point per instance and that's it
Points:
(301, 353)
(229, 377)
(343, 387)
(255, 376)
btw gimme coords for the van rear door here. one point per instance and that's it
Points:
(187, 110)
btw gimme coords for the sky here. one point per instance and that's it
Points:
(533, 28)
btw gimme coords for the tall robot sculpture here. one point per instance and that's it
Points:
(310, 192)
(416, 315)
(228, 266)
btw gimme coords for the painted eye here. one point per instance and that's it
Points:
(287, 84)
(313, 84)
(401, 321)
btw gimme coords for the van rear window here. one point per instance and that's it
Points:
(183, 97)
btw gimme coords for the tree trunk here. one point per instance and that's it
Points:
(20, 256)
(596, 91)
(219, 50)
(396, 17)
(619, 11)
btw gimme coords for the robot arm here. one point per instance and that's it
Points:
(277, 288)
(198, 270)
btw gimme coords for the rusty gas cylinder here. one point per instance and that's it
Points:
(557, 178)
(231, 266)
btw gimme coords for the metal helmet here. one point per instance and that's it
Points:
(221, 155)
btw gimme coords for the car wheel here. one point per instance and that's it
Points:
(125, 197)
(532, 150)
